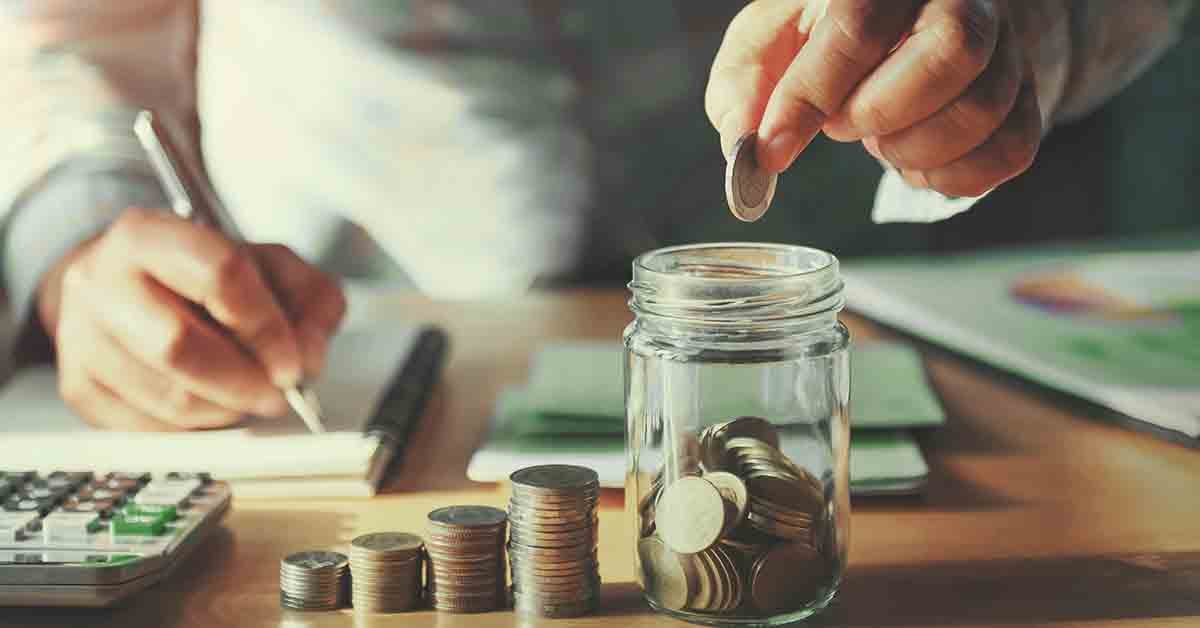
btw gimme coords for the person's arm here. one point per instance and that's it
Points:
(120, 290)
(75, 75)
(1112, 43)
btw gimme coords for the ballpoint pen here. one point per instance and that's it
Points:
(191, 199)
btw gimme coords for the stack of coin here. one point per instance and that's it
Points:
(386, 571)
(465, 547)
(552, 543)
(314, 581)
(748, 531)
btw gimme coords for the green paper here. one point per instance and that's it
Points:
(581, 382)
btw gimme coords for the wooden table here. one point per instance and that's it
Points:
(1036, 514)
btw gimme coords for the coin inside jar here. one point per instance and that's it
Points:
(733, 490)
(786, 576)
(664, 575)
(691, 515)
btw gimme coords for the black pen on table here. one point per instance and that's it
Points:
(191, 199)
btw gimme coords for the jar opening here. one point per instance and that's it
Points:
(736, 283)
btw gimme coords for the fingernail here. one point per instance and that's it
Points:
(872, 146)
(782, 149)
(287, 376)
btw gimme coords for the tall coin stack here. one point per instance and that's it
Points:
(552, 542)
(465, 546)
(386, 571)
(313, 581)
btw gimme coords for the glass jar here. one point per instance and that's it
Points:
(736, 392)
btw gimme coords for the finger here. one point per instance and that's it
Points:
(148, 390)
(163, 331)
(201, 265)
(755, 52)
(1006, 154)
(963, 124)
(951, 43)
(845, 45)
(101, 407)
(313, 299)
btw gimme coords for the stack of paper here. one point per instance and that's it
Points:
(572, 411)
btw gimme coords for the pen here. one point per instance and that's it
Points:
(192, 200)
(402, 406)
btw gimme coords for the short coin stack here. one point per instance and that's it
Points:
(750, 530)
(386, 571)
(465, 546)
(314, 581)
(552, 542)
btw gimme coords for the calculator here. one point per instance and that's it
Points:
(93, 539)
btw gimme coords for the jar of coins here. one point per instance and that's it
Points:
(736, 391)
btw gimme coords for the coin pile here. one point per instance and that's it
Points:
(552, 542)
(314, 581)
(386, 570)
(465, 547)
(749, 531)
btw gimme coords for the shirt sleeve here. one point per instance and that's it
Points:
(1083, 53)
(75, 74)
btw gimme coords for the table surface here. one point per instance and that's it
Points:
(1036, 514)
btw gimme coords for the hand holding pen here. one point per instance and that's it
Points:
(161, 323)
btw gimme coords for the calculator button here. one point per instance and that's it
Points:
(68, 479)
(203, 476)
(16, 477)
(166, 513)
(14, 525)
(63, 527)
(137, 525)
(18, 503)
(123, 485)
(138, 477)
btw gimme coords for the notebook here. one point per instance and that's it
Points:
(258, 456)
(1115, 324)
(563, 417)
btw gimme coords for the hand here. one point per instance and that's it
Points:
(940, 89)
(136, 353)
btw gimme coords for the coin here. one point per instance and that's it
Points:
(748, 187)
(554, 478)
(388, 543)
(465, 549)
(552, 540)
(733, 490)
(752, 427)
(788, 576)
(467, 517)
(691, 515)
(313, 580)
(664, 576)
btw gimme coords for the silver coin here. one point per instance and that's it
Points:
(749, 189)
(554, 478)
(468, 516)
(386, 543)
(315, 560)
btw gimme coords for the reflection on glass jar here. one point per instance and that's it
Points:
(736, 389)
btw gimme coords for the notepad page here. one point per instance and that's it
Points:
(38, 430)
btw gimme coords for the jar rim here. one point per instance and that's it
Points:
(736, 284)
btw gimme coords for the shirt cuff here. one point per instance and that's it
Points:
(69, 205)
